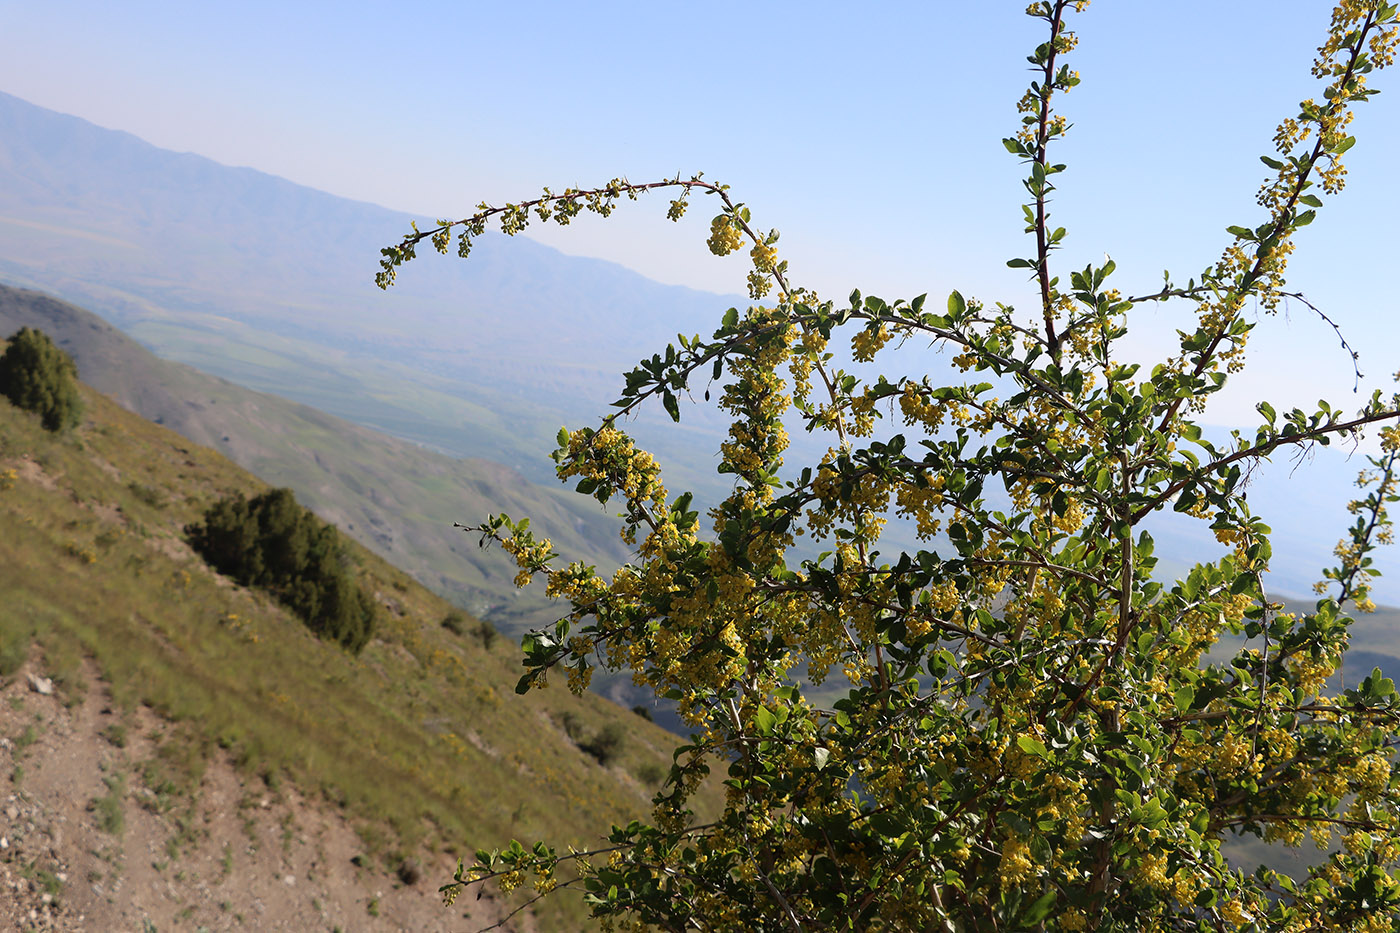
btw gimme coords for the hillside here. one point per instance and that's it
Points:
(395, 497)
(419, 743)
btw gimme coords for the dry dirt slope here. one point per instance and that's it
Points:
(74, 856)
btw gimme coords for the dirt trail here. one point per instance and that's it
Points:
(86, 845)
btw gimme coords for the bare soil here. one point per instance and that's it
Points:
(86, 845)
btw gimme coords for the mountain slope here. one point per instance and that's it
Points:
(419, 739)
(395, 497)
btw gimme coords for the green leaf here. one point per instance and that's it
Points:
(820, 756)
(1183, 697)
(765, 720)
(1039, 909)
(956, 304)
(1032, 746)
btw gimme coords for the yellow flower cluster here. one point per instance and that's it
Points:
(921, 503)
(1311, 671)
(764, 257)
(610, 457)
(868, 341)
(1016, 863)
(1371, 776)
(530, 556)
(725, 235)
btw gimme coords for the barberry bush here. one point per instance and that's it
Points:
(1034, 731)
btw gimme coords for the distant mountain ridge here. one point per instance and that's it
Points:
(256, 279)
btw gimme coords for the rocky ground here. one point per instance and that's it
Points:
(85, 844)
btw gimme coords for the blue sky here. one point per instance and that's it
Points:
(869, 137)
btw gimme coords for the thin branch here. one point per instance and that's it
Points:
(528, 903)
(1261, 451)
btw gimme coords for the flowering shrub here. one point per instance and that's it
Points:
(1029, 734)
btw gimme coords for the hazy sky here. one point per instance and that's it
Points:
(870, 137)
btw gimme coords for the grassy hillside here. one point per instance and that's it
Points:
(420, 737)
(395, 497)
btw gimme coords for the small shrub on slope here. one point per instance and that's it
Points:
(37, 376)
(275, 544)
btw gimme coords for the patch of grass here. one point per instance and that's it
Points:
(115, 733)
(28, 737)
(109, 808)
(175, 770)
(187, 834)
(372, 908)
(45, 878)
(250, 831)
(149, 495)
(14, 651)
(289, 832)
